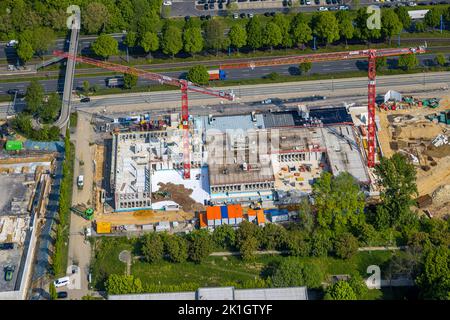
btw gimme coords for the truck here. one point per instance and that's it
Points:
(114, 82)
(80, 181)
(217, 74)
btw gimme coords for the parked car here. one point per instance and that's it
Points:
(211, 5)
(235, 15)
(333, 8)
(12, 43)
(267, 101)
(167, 3)
(9, 273)
(242, 15)
(61, 282)
(272, 14)
(343, 8)
(250, 15)
(308, 2)
(85, 99)
(412, 4)
(13, 91)
(206, 6)
(62, 295)
(323, 9)
(302, 2)
(317, 2)
(267, 14)
(220, 5)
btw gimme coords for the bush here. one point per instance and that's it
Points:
(345, 246)
(176, 248)
(198, 74)
(294, 273)
(320, 244)
(121, 284)
(340, 290)
(298, 244)
(153, 247)
(200, 245)
(224, 236)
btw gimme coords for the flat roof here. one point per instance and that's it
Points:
(233, 122)
(234, 174)
(344, 154)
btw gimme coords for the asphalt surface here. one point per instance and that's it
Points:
(319, 87)
(328, 67)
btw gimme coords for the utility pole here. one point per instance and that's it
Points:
(442, 23)
(314, 45)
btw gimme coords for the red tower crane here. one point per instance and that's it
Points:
(184, 85)
(370, 54)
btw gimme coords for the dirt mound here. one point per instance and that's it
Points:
(417, 131)
(180, 195)
(441, 195)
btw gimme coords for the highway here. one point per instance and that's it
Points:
(236, 74)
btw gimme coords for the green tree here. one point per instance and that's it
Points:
(130, 39)
(238, 36)
(339, 201)
(346, 29)
(86, 86)
(95, 17)
(434, 279)
(52, 292)
(274, 237)
(50, 109)
(381, 62)
(301, 32)
(397, 177)
(176, 248)
(248, 248)
(345, 245)
(358, 285)
(153, 247)
(149, 41)
(305, 67)
(340, 290)
(298, 244)
(255, 33)
(34, 96)
(129, 80)
(320, 244)
(293, 273)
(193, 40)
(325, 26)
(306, 216)
(283, 22)
(224, 236)
(433, 18)
(404, 17)
(440, 59)
(172, 40)
(105, 46)
(390, 24)
(362, 32)
(272, 35)
(215, 35)
(121, 284)
(419, 26)
(200, 245)
(198, 74)
(25, 51)
(42, 39)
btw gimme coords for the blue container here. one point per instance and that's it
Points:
(224, 212)
(222, 75)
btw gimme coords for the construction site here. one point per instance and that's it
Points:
(25, 182)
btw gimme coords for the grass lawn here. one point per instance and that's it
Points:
(221, 271)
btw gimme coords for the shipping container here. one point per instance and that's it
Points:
(203, 221)
(13, 145)
(103, 227)
(147, 227)
(260, 217)
(217, 74)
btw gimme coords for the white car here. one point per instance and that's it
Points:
(412, 4)
(61, 282)
(12, 43)
(323, 9)
(167, 3)
(308, 2)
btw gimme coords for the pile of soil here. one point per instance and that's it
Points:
(441, 195)
(180, 195)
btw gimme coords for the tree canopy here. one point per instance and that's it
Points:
(198, 74)
(105, 46)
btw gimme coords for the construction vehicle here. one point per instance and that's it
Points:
(82, 211)
(184, 85)
(431, 103)
(161, 195)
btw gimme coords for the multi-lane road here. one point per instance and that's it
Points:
(329, 67)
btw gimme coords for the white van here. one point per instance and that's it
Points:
(61, 282)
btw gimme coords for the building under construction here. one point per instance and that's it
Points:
(246, 158)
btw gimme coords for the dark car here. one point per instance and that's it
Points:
(13, 91)
(187, 18)
(211, 5)
(6, 246)
(334, 1)
(317, 1)
(242, 15)
(267, 14)
(302, 2)
(208, 17)
(62, 295)
(87, 99)
(220, 5)
(285, 3)
(328, 1)
(272, 14)
(9, 273)
(201, 1)
(205, 6)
